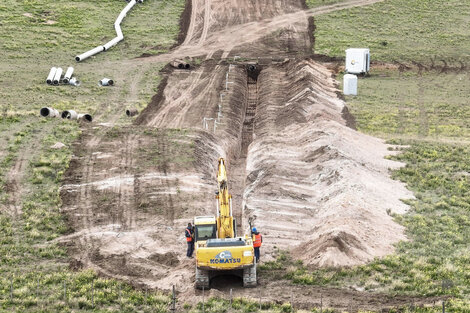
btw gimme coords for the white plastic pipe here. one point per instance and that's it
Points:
(51, 75)
(89, 53)
(49, 112)
(70, 114)
(106, 82)
(57, 76)
(114, 41)
(68, 75)
(74, 82)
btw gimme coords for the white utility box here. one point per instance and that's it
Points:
(357, 61)
(350, 84)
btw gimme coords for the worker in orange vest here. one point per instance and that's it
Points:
(189, 233)
(257, 241)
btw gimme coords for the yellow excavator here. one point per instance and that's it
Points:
(218, 250)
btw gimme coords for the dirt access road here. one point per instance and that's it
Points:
(312, 184)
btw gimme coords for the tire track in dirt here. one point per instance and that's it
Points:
(222, 39)
(207, 17)
(192, 24)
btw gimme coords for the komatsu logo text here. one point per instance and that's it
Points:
(225, 257)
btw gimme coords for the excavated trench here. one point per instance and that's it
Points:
(238, 163)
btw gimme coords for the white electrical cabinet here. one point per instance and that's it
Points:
(357, 61)
(350, 84)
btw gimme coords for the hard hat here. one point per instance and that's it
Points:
(254, 229)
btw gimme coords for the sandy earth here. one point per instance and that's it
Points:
(313, 185)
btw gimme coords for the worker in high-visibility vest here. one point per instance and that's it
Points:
(189, 233)
(257, 241)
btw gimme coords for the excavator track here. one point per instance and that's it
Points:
(249, 276)
(202, 279)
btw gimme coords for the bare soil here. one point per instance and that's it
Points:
(313, 185)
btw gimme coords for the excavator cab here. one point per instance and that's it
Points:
(205, 227)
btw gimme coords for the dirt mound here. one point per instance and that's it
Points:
(128, 197)
(313, 182)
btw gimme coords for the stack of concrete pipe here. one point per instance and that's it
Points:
(68, 114)
(55, 76)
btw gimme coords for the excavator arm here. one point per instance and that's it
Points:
(225, 225)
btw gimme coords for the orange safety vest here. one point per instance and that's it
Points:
(257, 241)
(190, 238)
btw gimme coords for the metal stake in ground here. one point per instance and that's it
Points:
(120, 295)
(203, 310)
(65, 291)
(321, 303)
(93, 293)
(230, 299)
(173, 300)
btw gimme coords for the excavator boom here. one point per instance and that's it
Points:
(225, 225)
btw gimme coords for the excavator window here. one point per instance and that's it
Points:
(204, 232)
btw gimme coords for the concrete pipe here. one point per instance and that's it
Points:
(177, 64)
(85, 117)
(132, 112)
(51, 75)
(187, 66)
(57, 76)
(49, 112)
(70, 114)
(68, 75)
(106, 82)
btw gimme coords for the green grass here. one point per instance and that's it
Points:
(430, 105)
(398, 30)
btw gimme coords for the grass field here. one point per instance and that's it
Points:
(36, 35)
(398, 30)
(432, 105)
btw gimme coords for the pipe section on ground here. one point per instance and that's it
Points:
(51, 75)
(70, 115)
(106, 82)
(49, 112)
(180, 64)
(57, 76)
(132, 112)
(89, 53)
(68, 75)
(74, 82)
(85, 117)
(114, 41)
(177, 64)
